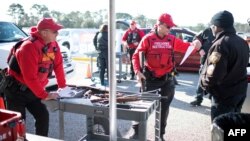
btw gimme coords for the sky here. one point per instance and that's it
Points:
(184, 12)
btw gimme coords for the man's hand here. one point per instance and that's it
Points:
(52, 95)
(125, 44)
(196, 44)
(136, 43)
(202, 52)
(140, 76)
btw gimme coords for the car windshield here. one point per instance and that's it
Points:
(9, 32)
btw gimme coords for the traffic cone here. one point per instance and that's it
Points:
(2, 106)
(88, 72)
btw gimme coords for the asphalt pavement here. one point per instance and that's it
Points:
(185, 123)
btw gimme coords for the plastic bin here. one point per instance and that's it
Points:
(10, 126)
(246, 104)
(229, 126)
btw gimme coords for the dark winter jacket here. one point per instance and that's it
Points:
(102, 41)
(225, 70)
(206, 38)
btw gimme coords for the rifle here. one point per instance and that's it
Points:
(130, 98)
(118, 100)
(142, 59)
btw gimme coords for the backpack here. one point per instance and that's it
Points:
(12, 61)
(95, 40)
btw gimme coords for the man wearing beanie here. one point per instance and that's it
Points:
(37, 57)
(224, 75)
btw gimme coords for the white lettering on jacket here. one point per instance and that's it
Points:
(161, 45)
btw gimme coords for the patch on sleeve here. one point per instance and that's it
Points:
(210, 69)
(214, 57)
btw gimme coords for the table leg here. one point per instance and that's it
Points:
(158, 122)
(142, 131)
(61, 124)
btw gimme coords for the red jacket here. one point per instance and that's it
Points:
(136, 31)
(31, 58)
(158, 53)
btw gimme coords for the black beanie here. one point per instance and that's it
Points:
(223, 19)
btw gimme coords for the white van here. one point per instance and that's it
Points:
(77, 40)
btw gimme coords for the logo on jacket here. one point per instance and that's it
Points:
(162, 45)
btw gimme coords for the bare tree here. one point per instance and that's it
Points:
(124, 16)
(40, 11)
(16, 11)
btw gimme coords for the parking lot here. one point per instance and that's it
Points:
(184, 123)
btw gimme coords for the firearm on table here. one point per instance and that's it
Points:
(122, 96)
(118, 100)
(129, 98)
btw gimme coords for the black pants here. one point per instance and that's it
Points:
(18, 100)
(221, 106)
(167, 89)
(131, 53)
(103, 65)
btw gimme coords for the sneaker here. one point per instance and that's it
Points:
(196, 103)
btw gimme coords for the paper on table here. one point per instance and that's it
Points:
(66, 92)
(188, 52)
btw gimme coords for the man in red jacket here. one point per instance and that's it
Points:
(37, 57)
(131, 40)
(159, 47)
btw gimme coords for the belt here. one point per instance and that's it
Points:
(164, 77)
(14, 83)
(150, 76)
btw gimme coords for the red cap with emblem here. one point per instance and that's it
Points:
(48, 23)
(167, 19)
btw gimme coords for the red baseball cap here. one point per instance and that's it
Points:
(48, 23)
(132, 22)
(167, 19)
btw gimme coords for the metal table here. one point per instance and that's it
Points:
(85, 107)
(119, 55)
